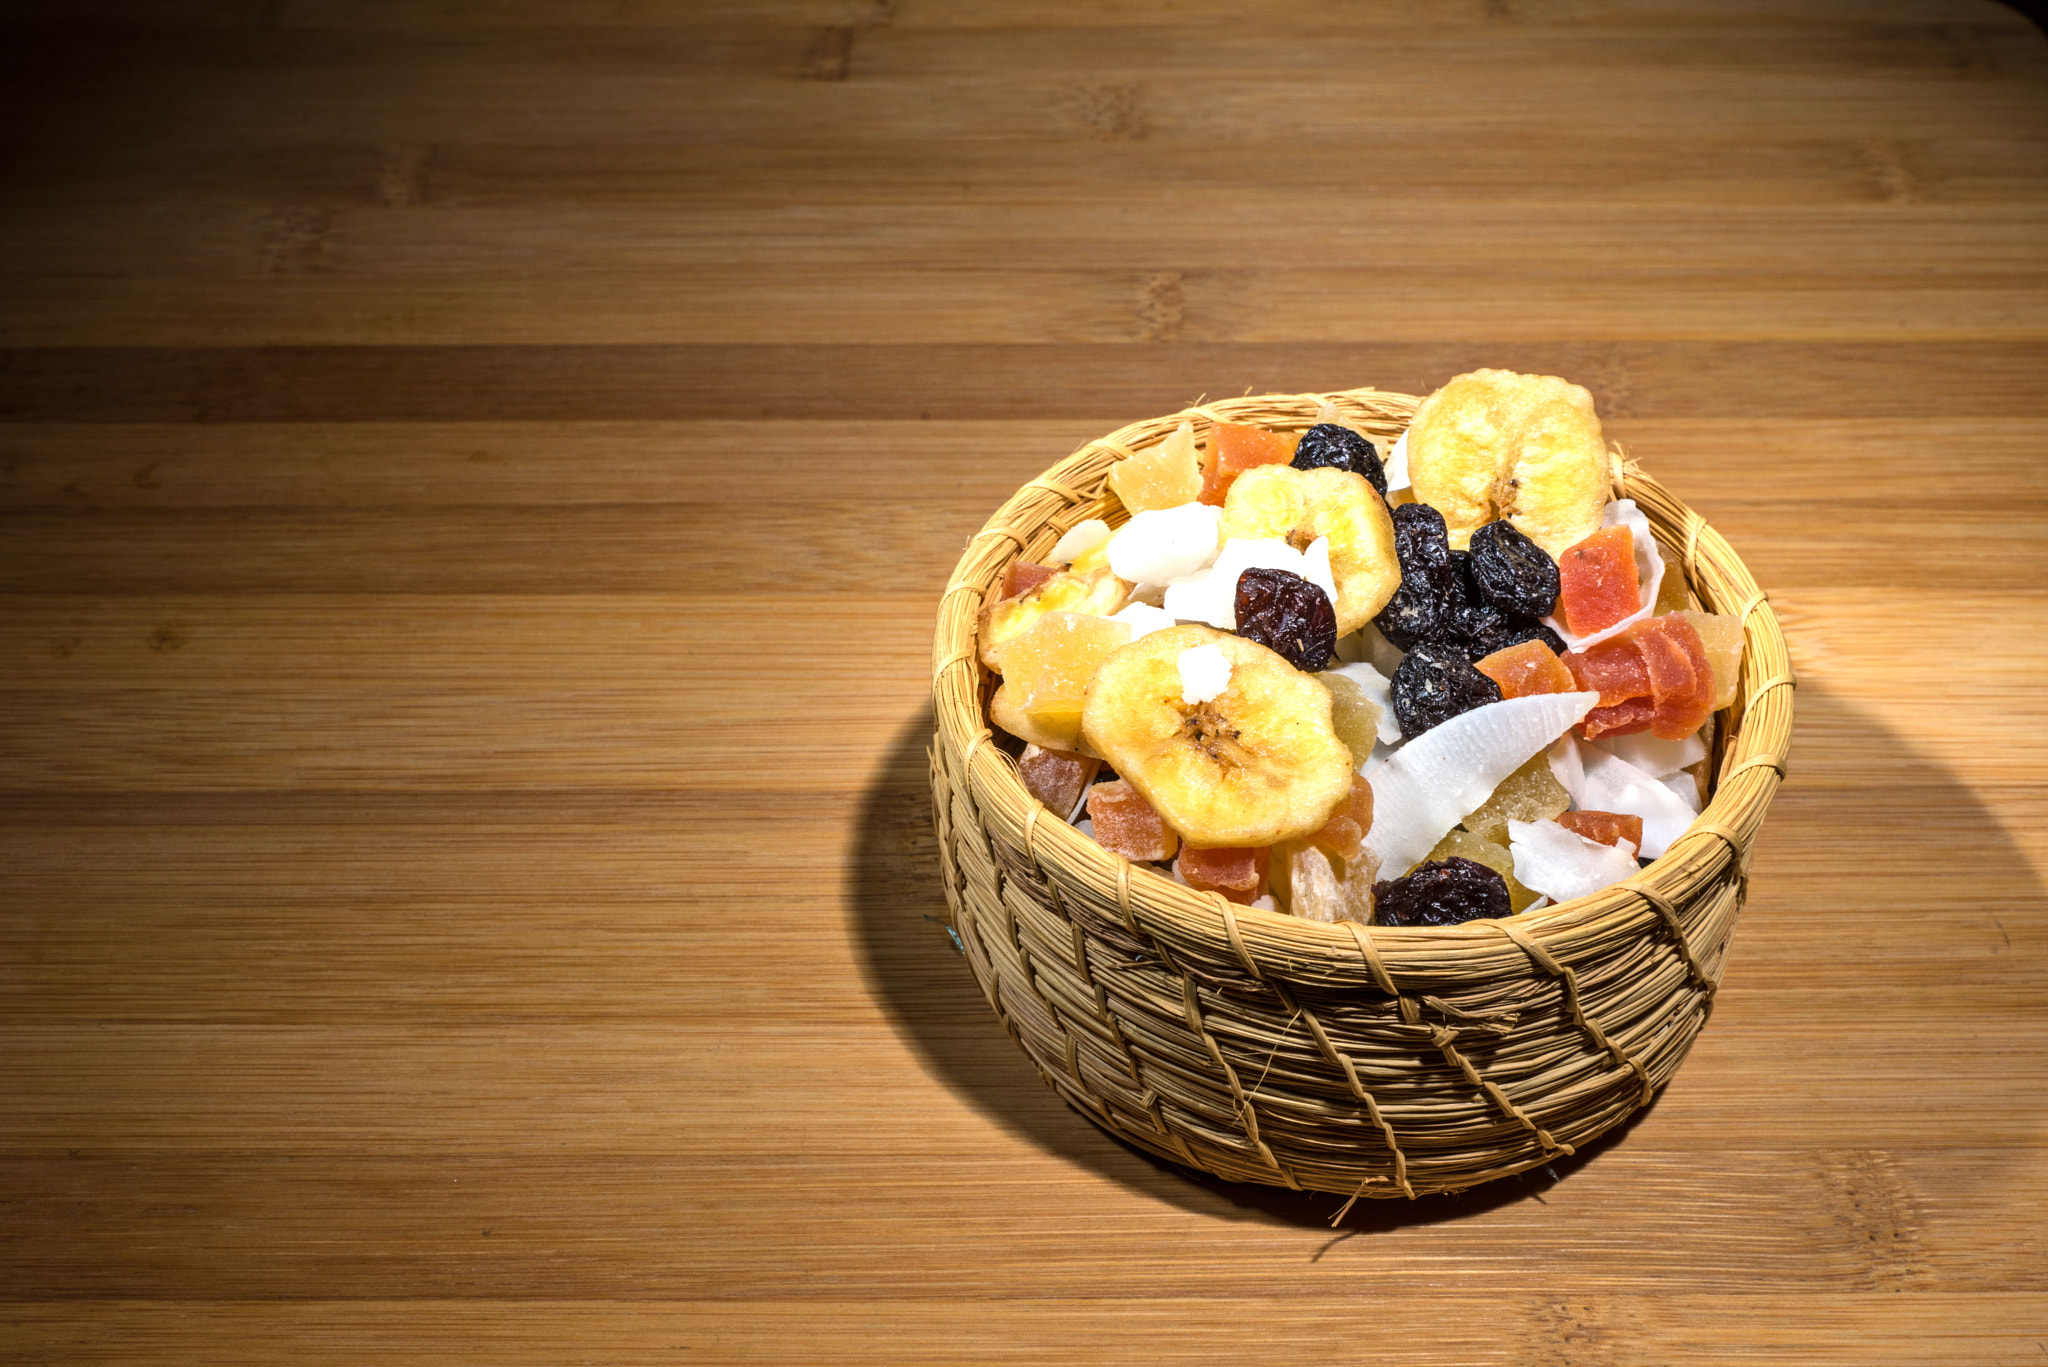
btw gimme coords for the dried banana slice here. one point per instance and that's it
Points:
(1279, 502)
(1256, 764)
(1494, 444)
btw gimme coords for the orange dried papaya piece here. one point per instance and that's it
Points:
(1236, 873)
(1531, 667)
(1597, 581)
(1235, 448)
(1608, 828)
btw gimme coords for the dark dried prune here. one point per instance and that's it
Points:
(1340, 448)
(1512, 572)
(1443, 892)
(1435, 683)
(1428, 604)
(1488, 629)
(1286, 613)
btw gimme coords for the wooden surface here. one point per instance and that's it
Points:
(475, 481)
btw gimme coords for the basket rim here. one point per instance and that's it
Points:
(1745, 773)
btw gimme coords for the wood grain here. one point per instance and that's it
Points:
(474, 484)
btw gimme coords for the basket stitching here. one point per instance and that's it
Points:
(1229, 913)
(965, 653)
(1662, 906)
(1373, 963)
(1247, 1114)
(1694, 525)
(1783, 680)
(1372, 1106)
(1123, 895)
(1526, 939)
(964, 586)
(1446, 1041)
(1751, 604)
(1055, 487)
(1757, 762)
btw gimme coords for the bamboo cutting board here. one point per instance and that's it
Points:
(475, 484)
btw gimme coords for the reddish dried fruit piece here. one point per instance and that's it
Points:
(1234, 449)
(1623, 719)
(1597, 581)
(1125, 823)
(1343, 835)
(1653, 677)
(1236, 873)
(1024, 577)
(1681, 680)
(1531, 667)
(1609, 828)
(1056, 777)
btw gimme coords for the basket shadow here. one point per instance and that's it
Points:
(1859, 775)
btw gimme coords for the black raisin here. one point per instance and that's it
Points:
(1327, 444)
(1434, 684)
(1512, 572)
(1287, 614)
(1429, 603)
(1443, 892)
(1512, 631)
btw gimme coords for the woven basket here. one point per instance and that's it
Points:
(1368, 1061)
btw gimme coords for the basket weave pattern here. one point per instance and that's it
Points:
(1368, 1061)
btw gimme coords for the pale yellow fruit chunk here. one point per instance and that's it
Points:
(1096, 593)
(1046, 670)
(1531, 793)
(1494, 444)
(1165, 476)
(1721, 634)
(1282, 503)
(1255, 765)
(1353, 714)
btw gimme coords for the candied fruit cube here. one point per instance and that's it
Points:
(1165, 476)
(1024, 576)
(1480, 850)
(1097, 593)
(1531, 667)
(1126, 824)
(1234, 449)
(1531, 793)
(1056, 777)
(1343, 835)
(1609, 828)
(1353, 714)
(1046, 670)
(1598, 581)
(1721, 635)
(1236, 873)
(1319, 889)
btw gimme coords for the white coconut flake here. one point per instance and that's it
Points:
(1600, 782)
(1649, 574)
(1437, 779)
(1265, 903)
(1081, 539)
(1653, 755)
(1163, 545)
(1143, 619)
(1212, 596)
(1204, 674)
(1396, 465)
(1380, 689)
(1563, 864)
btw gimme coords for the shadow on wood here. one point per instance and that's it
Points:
(1867, 798)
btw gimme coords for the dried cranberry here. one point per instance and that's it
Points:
(1289, 615)
(1443, 892)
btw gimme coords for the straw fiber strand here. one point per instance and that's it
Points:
(1365, 1061)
